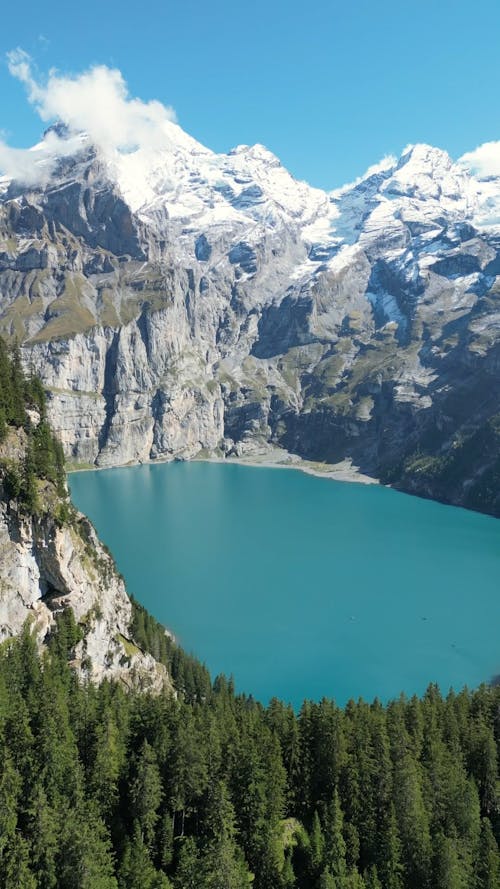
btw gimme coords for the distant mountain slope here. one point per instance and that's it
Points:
(178, 302)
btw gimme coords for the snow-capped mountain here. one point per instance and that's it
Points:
(177, 301)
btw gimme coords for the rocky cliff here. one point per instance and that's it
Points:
(185, 303)
(52, 560)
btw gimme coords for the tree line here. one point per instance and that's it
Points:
(23, 408)
(102, 788)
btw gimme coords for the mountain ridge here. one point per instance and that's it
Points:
(236, 309)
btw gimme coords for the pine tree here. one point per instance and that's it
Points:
(281, 719)
(107, 767)
(166, 840)
(189, 775)
(326, 880)
(188, 873)
(287, 874)
(15, 870)
(35, 394)
(316, 847)
(224, 869)
(484, 766)
(146, 793)
(86, 859)
(335, 846)
(388, 857)
(137, 870)
(487, 870)
(60, 769)
(413, 819)
(43, 827)
(447, 870)
(354, 880)
(10, 790)
(43, 452)
(371, 878)
(17, 413)
(5, 382)
(3, 423)
(29, 490)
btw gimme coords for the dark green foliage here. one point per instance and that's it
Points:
(107, 789)
(43, 457)
(191, 678)
(145, 792)
(12, 386)
(35, 394)
(14, 397)
(86, 859)
(68, 633)
(29, 495)
(137, 870)
(468, 468)
(13, 480)
(488, 859)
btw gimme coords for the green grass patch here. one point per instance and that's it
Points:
(130, 648)
(68, 313)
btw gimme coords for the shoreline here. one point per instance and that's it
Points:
(344, 471)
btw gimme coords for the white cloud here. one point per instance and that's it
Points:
(96, 102)
(33, 166)
(483, 161)
(17, 163)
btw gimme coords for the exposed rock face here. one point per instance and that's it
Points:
(189, 302)
(46, 567)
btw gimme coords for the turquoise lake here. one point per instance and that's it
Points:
(303, 587)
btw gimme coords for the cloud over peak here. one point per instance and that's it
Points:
(96, 102)
(483, 161)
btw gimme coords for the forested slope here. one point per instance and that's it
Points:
(102, 788)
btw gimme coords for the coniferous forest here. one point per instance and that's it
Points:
(103, 788)
(43, 453)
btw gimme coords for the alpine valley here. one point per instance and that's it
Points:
(179, 303)
(175, 303)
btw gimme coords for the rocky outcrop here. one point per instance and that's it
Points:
(48, 565)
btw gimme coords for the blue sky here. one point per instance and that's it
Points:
(330, 87)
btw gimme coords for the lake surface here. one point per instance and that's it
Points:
(300, 586)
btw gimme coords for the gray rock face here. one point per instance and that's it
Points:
(45, 568)
(223, 307)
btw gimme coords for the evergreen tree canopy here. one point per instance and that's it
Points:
(105, 788)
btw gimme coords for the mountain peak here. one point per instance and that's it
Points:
(257, 152)
(59, 129)
(425, 156)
